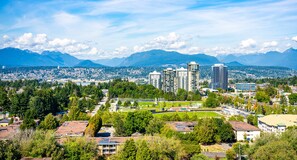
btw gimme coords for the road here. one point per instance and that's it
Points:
(102, 102)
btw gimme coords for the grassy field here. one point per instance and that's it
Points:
(168, 104)
(200, 114)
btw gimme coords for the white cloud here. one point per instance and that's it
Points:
(40, 38)
(57, 42)
(25, 39)
(5, 37)
(270, 44)
(294, 38)
(172, 41)
(249, 43)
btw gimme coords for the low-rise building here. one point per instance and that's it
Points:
(244, 131)
(72, 129)
(8, 131)
(277, 122)
(4, 122)
(184, 127)
(110, 145)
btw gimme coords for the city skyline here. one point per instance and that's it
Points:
(107, 29)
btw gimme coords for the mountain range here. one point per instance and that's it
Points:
(288, 58)
(12, 57)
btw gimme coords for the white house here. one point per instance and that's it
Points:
(244, 131)
(277, 122)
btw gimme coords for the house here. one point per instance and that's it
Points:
(4, 122)
(8, 131)
(72, 129)
(277, 122)
(244, 131)
(183, 127)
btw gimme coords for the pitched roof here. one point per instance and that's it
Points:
(72, 128)
(242, 126)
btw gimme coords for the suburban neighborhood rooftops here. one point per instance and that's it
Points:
(72, 128)
(242, 126)
(279, 120)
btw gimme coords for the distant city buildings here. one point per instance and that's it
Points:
(219, 76)
(245, 87)
(174, 79)
(155, 79)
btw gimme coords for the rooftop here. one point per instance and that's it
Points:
(8, 131)
(279, 120)
(182, 126)
(243, 126)
(72, 128)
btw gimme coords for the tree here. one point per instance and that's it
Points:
(199, 156)
(137, 121)
(39, 144)
(205, 130)
(129, 151)
(119, 102)
(10, 150)
(226, 133)
(155, 125)
(49, 122)
(211, 101)
(293, 98)
(135, 104)
(28, 122)
(143, 152)
(4, 100)
(230, 154)
(252, 119)
(261, 96)
(118, 125)
(127, 103)
(275, 150)
(95, 123)
(236, 118)
(80, 148)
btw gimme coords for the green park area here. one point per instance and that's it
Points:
(168, 104)
(200, 114)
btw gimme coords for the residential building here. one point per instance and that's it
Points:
(181, 79)
(72, 129)
(9, 131)
(155, 79)
(277, 122)
(193, 76)
(183, 127)
(245, 87)
(110, 145)
(168, 80)
(244, 131)
(219, 76)
(4, 122)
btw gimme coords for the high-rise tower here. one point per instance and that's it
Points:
(219, 77)
(155, 79)
(168, 80)
(193, 76)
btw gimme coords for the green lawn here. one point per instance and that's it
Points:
(200, 114)
(168, 104)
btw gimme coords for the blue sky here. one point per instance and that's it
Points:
(93, 29)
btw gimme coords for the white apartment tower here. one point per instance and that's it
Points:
(193, 76)
(181, 79)
(155, 79)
